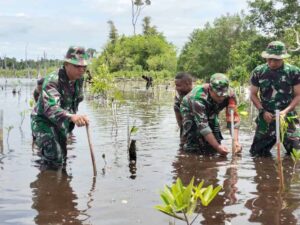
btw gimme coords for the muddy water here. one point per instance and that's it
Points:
(124, 194)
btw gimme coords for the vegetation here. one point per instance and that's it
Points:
(181, 202)
(232, 44)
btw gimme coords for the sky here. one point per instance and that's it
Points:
(33, 28)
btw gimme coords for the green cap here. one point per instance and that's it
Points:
(219, 83)
(76, 55)
(275, 50)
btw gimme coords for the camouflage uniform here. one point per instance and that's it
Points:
(50, 119)
(276, 92)
(177, 101)
(200, 117)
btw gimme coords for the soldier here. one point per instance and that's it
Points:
(278, 85)
(200, 109)
(38, 89)
(183, 85)
(55, 116)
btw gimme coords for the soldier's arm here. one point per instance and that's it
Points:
(294, 102)
(210, 138)
(204, 128)
(254, 97)
(268, 117)
(177, 111)
(51, 102)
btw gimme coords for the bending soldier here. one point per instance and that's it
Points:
(200, 109)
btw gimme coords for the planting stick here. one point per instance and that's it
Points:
(1, 131)
(232, 130)
(278, 135)
(277, 117)
(91, 150)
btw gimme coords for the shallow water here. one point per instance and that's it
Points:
(124, 194)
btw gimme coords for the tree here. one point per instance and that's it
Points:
(275, 16)
(113, 32)
(136, 8)
(207, 50)
(91, 52)
(147, 28)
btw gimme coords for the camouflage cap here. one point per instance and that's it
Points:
(76, 55)
(275, 50)
(219, 83)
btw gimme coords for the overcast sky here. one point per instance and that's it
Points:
(51, 26)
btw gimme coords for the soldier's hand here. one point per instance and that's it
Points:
(80, 120)
(222, 150)
(268, 117)
(238, 147)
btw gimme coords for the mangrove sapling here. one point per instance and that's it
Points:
(181, 201)
(242, 109)
(295, 154)
(8, 129)
(22, 114)
(132, 146)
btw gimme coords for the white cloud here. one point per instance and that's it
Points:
(53, 25)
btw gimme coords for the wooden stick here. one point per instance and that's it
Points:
(91, 150)
(232, 130)
(280, 172)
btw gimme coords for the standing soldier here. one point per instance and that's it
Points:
(278, 85)
(200, 109)
(183, 85)
(54, 116)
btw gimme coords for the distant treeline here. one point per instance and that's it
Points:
(13, 63)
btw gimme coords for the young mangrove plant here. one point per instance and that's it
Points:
(8, 129)
(242, 109)
(181, 201)
(131, 145)
(295, 154)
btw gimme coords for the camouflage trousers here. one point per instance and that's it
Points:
(51, 142)
(194, 142)
(265, 136)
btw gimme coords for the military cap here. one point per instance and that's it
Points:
(77, 55)
(275, 50)
(219, 83)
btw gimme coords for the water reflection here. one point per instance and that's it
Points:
(207, 168)
(54, 199)
(273, 206)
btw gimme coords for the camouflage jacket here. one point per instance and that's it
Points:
(177, 101)
(59, 99)
(199, 106)
(275, 86)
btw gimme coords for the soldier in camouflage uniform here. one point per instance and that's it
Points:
(38, 89)
(278, 86)
(183, 85)
(200, 109)
(54, 116)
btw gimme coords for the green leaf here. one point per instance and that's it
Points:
(206, 194)
(133, 130)
(243, 113)
(168, 210)
(187, 194)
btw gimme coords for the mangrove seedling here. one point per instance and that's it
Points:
(181, 201)
(295, 154)
(242, 109)
(132, 146)
(8, 129)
